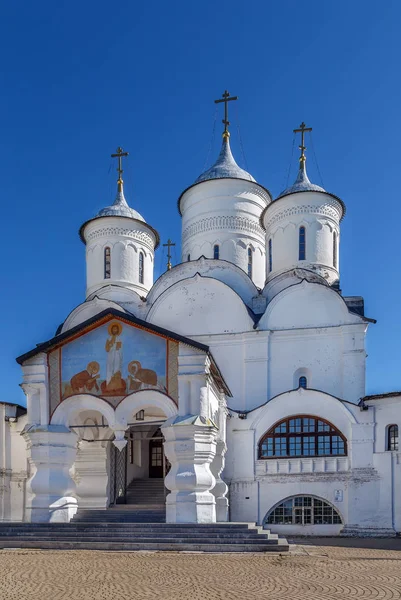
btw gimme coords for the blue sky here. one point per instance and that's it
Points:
(79, 79)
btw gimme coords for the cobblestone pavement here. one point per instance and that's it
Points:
(310, 571)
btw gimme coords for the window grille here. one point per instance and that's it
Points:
(302, 436)
(270, 256)
(304, 510)
(107, 263)
(216, 251)
(392, 438)
(141, 267)
(303, 382)
(302, 243)
(250, 259)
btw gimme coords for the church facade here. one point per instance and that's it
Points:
(236, 380)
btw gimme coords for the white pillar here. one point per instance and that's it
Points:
(51, 454)
(190, 447)
(220, 489)
(91, 475)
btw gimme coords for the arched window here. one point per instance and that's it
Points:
(303, 510)
(334, 249)
(250, 258)
(303, 382)
(188, 257)
(216, 251)
(302, 435)
(141, 267)
(107, 263)
(302, 244)
(270, 256)
(392, 437)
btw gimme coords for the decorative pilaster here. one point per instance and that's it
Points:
(51, 454)
(190, 447)
(220, 489)
(91, 475)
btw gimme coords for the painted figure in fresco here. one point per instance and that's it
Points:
(85, 381)
(114, 385)
(139, 378)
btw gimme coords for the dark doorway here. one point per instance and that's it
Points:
(156, 458)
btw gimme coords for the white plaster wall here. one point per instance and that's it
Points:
(225, 212)
(126, 238)
(13, 468)
(320, 214)
(368, 481)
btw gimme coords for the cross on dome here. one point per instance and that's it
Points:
(226, 98)
(302, 147)
(119, 154)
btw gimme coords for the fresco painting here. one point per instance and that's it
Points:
(114, 360)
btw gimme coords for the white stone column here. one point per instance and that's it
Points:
(220, 489)
(91, 475)
(51, 453)
(190, 447)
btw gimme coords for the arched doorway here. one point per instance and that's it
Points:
(156, 456)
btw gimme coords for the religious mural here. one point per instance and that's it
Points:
(113, 360)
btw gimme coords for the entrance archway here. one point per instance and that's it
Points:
(128, 451)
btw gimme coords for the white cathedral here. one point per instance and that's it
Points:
(231, 389)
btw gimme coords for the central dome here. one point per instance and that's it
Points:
(225, 166)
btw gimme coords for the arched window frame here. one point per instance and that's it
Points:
(335, 249)
(392, 442)
(270, 255)
(303, 510)
(107, 262)
(141, 267)
(250, 261)
(286, 440)
(303, 382)
(302, 243)
(216, 251)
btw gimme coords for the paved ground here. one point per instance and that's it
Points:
(322, 569)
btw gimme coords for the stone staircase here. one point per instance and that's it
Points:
(146, 491)
(139, 525)
(121, 533)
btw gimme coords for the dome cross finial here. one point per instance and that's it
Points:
(119, 154)
(226, 98)
(302, 147)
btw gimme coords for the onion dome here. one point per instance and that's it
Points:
(225, 166)
(302, 182)
(120, 207)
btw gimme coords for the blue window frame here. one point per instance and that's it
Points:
(107, 263)
(303, 383)
(250, 259)
(141, 267)
(216, 251)
(270, 256)
(302, 435)
(334, 249)
(302, 243)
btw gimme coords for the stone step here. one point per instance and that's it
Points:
(234, 527)
(282, 546)
(178, 540)
(134, 535)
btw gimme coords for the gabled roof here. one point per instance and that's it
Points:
(107, 315)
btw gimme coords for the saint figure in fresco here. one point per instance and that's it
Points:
(141, 379)
(85, 381)
(114, 385)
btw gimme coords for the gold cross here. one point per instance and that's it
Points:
(302, 147)
(226, 99)
(169, 246)
(119, 154)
